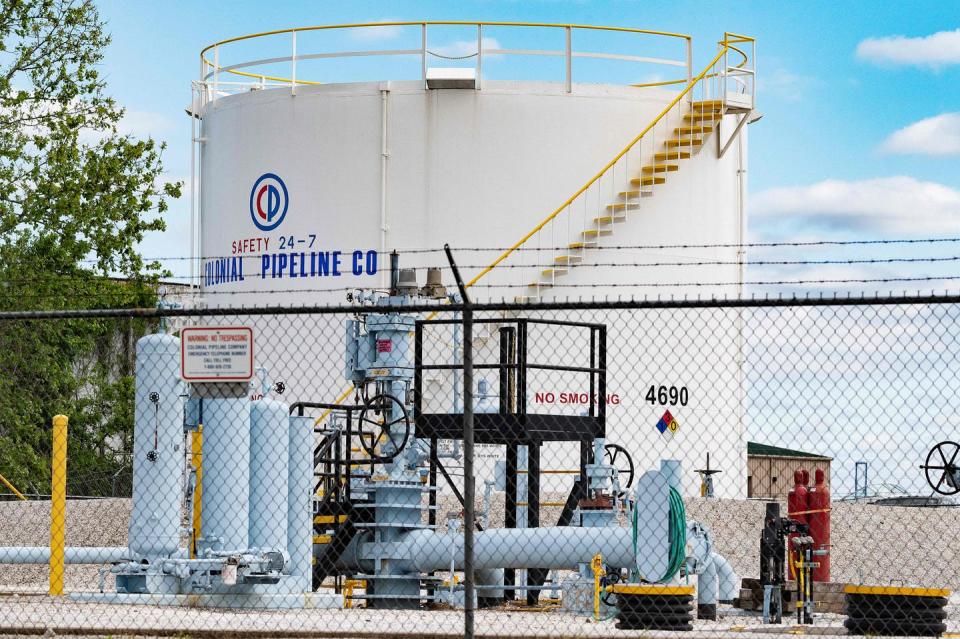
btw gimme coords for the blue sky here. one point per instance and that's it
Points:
(860, 135)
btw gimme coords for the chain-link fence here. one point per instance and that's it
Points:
(635, 467)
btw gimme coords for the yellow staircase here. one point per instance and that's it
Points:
(681, 145)
(559, 243)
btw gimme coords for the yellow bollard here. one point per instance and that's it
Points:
(58, 503)
(196, 457)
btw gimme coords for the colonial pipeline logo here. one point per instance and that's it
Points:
(268, 202)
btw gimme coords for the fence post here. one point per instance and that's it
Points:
(58, 503)
(469, 490)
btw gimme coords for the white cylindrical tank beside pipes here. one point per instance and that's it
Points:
(269, 481)
(225, 513)
(158, 456)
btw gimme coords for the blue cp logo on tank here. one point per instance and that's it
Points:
(269, 201)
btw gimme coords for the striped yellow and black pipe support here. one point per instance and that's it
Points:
(58, 503)
(896, 610)
(653, 606)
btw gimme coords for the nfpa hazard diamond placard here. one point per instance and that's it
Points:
(668, 424)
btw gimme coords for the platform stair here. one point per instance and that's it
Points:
(695, 117)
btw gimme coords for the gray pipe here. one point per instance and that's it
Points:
(729, 583)
(707, 587)
(559, 547)
(72, 554)
(717, 575)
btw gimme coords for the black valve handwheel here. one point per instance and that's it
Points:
(942, 459)
(617, 456)
(377, 413)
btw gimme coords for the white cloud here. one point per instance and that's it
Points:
(939, 135)
(377, 34)
(787, 85)
(898, 205)
(463, 48)
(936, 50)
(143, 124)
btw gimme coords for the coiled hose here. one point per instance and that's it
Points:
(677, 533)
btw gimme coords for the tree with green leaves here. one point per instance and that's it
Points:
(76, 199)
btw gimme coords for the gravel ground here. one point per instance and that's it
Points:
(90, 522)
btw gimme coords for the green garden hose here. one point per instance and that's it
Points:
(677, 533)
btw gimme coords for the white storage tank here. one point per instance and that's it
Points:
(306, 187)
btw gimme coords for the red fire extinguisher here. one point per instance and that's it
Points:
(819, 520)
(797, 506)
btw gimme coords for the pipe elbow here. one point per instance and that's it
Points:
(729, 582)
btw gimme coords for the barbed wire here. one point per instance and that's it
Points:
(580, 265)
(615, 285)
(615, 247)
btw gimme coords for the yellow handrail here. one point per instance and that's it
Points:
(423, 23)
(427, 23)
(602, 171)
(12, 488)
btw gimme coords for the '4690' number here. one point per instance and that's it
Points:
(667, 395)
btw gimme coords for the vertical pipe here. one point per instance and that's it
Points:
(568, 56)
(299, 502)
(468, 478)
(510, 487)
(216, 71)
(479, 55)
(269, 473)
(293, 63)
(423, 53)
(533, 507)
(602, 382)
(510, 510)
(193, 203)
(741, 275)
(469, 491)
(58, 504)
(384, 154)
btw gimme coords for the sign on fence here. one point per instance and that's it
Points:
(216, 353)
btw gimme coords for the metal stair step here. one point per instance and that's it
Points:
(632, 197)
(678, 142)
(594, 233)
(672, 155)
(702, 117)
(707, 105)
(567, 259)
(583, 244)
(609, 219)
(553, 271)
(690, 129)
(660, 168)
(648, 180)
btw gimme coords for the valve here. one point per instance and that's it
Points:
(377, 412)
(949, 474)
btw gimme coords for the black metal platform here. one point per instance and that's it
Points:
(513, 425)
